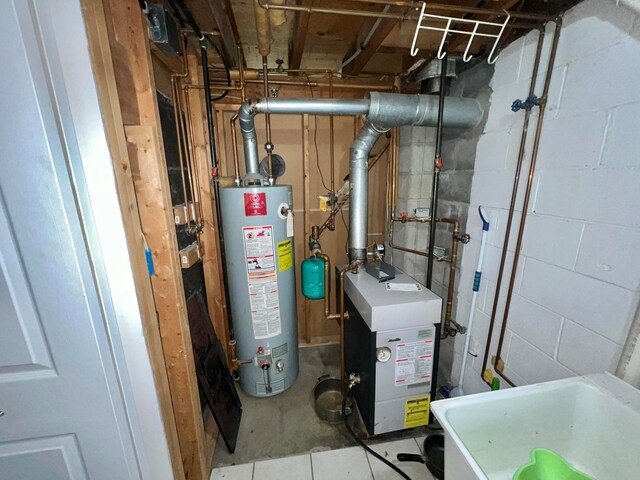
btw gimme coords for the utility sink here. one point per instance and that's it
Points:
(592, 422)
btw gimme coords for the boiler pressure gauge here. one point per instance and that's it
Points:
(383, 354)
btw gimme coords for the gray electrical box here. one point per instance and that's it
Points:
(163, 30)
(391, 341)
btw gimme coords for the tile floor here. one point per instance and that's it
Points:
(342, 464)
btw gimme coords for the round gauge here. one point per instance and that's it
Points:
(383, 354)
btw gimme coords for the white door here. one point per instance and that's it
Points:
(61, 400)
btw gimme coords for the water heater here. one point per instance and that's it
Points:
(258, 236)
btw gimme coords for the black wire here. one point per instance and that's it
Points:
(226, 69)
(361, 443)
(315, 135)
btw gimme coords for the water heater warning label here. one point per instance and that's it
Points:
(413, 362)
(416, 412)
(263, 283)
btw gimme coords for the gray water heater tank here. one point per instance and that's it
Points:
(258, 237)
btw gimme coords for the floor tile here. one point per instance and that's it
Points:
(343, 464)
(390, 450)
(233, 472)
(298, 467)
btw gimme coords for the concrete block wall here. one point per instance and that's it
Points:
(415, 175)
(578, 275)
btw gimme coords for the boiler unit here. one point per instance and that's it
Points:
(391, 341)
(258, 237)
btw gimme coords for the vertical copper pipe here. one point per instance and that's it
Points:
(514, 195)
(452, 272)
(176, 118)
(332, 223)
(196, 178)
(327, 283)
(234, 143)
(267, 118)
(243, 91)
(527, 196)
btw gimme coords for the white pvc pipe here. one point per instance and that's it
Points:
(459, 391)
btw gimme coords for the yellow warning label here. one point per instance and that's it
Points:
(416, 412)
(285, 255)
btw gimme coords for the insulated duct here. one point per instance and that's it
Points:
(383, 111)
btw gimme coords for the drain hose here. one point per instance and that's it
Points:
(359, 440)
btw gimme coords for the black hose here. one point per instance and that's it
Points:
(361, 443)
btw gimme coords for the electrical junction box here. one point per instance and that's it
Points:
(180, 213)
(391, 341)
(189, 255)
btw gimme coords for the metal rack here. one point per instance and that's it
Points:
(450, 21)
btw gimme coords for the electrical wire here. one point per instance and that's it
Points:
(361, 442)
(315, 135)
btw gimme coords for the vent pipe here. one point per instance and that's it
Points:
(383, 111)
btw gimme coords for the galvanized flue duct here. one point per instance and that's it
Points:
(383, 111)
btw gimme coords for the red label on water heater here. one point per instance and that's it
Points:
(255, 204)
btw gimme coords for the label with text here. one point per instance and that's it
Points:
(413, 362)
(255, 204)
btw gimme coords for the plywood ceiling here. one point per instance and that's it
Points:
(328, 38)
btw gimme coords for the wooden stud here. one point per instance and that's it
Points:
(208, 237)
(137, 94)
(108, 96)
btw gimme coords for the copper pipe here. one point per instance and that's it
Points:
(447, 331)
(332, 223)
(460, 9)
(196, 178)
(234, 143)
(527, 196)
(243, 93)
(514, 194)
(455, 238)
(267, 118)
(336, 208)
(366, 13)
(176, 118)
(327, 283)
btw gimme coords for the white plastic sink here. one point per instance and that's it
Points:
(593, 422)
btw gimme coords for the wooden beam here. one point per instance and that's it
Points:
(151, 182)
(99, 47)
(209, 237)
(300, 30)
(223, 15)
(384, 29)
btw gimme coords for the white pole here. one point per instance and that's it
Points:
(458, 391)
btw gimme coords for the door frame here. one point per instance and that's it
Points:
(125, 343)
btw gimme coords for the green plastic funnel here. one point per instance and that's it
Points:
(547, 465)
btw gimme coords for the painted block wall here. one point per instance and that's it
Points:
(578, 275)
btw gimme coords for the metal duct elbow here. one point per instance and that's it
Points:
(394, 110)
(249, 138)
(358, 199)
